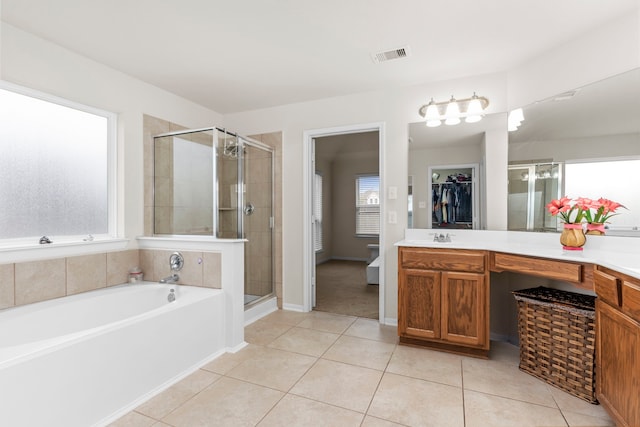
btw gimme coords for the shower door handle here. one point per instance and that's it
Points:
(248, 209)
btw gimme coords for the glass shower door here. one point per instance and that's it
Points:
(531, 187)
(258, 225)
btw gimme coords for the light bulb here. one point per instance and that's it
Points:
(452, 113)
(432, 112)
(433, 123)
(474, 110)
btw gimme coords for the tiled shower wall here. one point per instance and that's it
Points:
(35, 281)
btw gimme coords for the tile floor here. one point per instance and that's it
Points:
(321, 369)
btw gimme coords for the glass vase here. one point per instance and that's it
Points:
(572, 237)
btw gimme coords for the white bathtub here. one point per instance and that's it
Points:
(86, 359)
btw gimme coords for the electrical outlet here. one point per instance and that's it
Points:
(393, 217)
(422, 205)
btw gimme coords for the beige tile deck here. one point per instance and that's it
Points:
(310, 369)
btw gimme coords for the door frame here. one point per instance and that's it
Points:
(308, 174)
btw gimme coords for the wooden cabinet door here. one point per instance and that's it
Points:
(618, 364)
(464, 308)
(419, 303)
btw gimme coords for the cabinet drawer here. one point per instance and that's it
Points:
(559, 270)
(442, 259)
(631, 299)
(607, 288)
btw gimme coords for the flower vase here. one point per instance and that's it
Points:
(595, 228)
(572, 237)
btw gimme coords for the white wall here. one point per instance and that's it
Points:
(35, 63)
(577, 148)
(601, 53)
(343, 232)
(38, 64)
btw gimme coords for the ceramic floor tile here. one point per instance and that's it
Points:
(227, 361)
(504, 352)
(427, 364)
(415, 402)
(263, 333)
(305, 341)
(133, 419)
(567, 402)
(327, 322)
(360, 352)
(165, 402)
(370, 421)
(581, 420)
(273, 368)
(227, 402)
(294, 411)
(482, 410)
(347, 386)
(373, 330)
(506, 380)
(291, 318)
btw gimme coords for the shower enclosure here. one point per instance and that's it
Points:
(211, 182)
(531, 187)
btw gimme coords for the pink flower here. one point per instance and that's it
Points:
(559, 205)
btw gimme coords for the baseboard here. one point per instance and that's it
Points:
(347, 258)
(391, 321)
(293, 307)
(260, 310)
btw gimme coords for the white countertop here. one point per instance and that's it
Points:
(618, 253)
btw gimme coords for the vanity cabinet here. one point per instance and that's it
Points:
(618, 345)
(443, 299)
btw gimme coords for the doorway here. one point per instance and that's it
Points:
(344, 228)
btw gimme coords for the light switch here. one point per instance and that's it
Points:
(393, 217)
(422, 205)
(393, 193)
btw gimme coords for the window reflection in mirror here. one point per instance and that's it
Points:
(586, 126)
(613, 180)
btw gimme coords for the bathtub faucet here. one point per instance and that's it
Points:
(171, 279)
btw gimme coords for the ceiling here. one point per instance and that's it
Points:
(241, 55)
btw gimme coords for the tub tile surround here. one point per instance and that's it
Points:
(265, 385)
(35, 281)
(7, 288)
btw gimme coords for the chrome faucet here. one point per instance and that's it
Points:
(176, 262)
(171, 279)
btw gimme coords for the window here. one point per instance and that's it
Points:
(368, 205)
(317, 212)
(56, 160)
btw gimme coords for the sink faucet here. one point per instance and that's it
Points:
(441, 238)
(171, 279)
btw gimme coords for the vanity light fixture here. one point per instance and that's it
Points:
(451, 111)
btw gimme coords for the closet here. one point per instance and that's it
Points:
(453, 197)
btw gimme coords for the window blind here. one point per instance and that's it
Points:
(368, 205)
(317, 212)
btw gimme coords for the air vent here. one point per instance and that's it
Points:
(565, 96)
(388, 55)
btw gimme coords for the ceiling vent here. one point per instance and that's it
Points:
(389, 55)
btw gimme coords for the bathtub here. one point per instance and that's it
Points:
(85, 360)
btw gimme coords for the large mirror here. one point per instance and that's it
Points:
(581, 143)
(445, 173)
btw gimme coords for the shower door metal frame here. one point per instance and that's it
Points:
(242, 140)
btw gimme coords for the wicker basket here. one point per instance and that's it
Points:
(557, 339)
